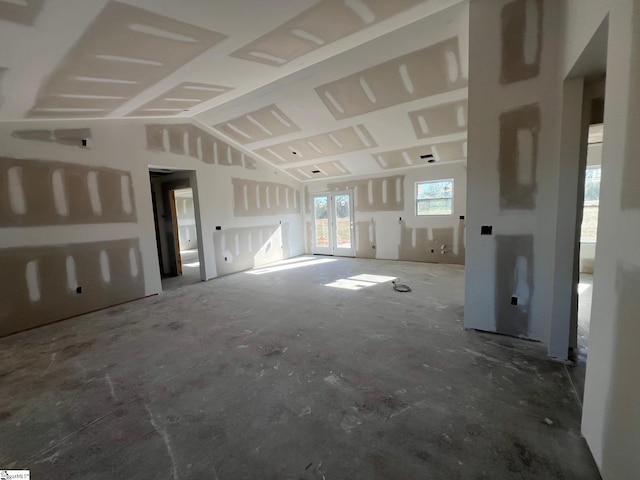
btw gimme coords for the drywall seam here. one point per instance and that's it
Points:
(252, 198)
(34, 191)
(521, 35)
(39, 284)
(76, 137)
(519, 132)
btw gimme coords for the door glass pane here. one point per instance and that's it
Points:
(321, 214)
(343, 221)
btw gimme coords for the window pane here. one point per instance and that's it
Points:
(434, 198)
(592, 186)
(434, 207)
(439, 189)
(589, 228)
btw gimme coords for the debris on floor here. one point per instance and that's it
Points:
(399, 287)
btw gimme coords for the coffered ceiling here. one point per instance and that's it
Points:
(318, 88)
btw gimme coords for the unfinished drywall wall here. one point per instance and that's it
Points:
(325, 22)
(386, 224)
(519, 131)
(252, 199)
(521, 34)
(38, 192)
(432, 245)
(220, 194)
(375, 194)
(186, 139)
(123, 52)
(73, 137)
(513, 163)
(185, 213)
(242, 248)
(20, 11)
(514, 283)
(60, 197)
(40, 285)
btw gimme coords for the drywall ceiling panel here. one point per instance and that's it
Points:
(407, 157)
(325, 22)
(450, 151)
(267, 122)
(20, 11)
(179, 99)
(318, 171)
(430, 71)
(340, 141)
(123, 52)
(440, 120)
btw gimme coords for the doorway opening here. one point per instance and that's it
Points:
(587, 171)
(591, 173)
(176, 220)
(333, 225)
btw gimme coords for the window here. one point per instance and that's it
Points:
(589, 227)
(435, 197)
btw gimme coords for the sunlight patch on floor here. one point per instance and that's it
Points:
(358, 282)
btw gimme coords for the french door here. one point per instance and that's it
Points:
(333, 227)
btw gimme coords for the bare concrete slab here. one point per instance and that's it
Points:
(271, 374)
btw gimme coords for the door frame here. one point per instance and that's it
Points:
(332, 248)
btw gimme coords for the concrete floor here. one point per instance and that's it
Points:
(190, 272)
(273, 375)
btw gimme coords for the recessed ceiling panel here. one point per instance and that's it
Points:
(440, 120)
(267, 122)
(123, 52)
(319, 170)
(430, 71)
(407, 157)
(321, 24)
(450, 151)
(179, 99)
(340, 141)
(20, 11)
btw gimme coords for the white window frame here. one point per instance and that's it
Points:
(417, 201)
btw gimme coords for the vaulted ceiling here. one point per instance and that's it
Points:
(318, 88)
